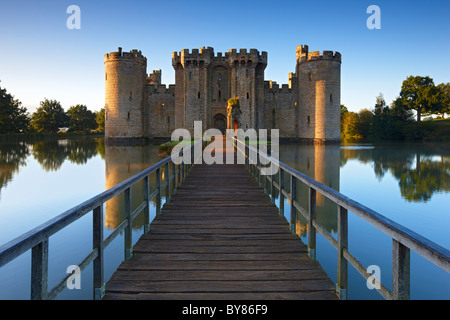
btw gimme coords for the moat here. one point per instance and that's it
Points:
(408, 183)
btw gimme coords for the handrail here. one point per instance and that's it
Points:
(37, 238)
(403, 238)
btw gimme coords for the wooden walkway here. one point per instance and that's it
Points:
(220, 238)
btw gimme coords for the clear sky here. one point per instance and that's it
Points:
(41, 58)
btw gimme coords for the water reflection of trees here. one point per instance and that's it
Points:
(12, 156)
(51, 154)
(420, 171)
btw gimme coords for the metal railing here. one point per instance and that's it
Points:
(403, 239)
(37, 239)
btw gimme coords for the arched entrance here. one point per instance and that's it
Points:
(220, 122)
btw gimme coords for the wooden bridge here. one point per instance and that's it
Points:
(220, 236)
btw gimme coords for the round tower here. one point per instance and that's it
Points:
(319, 89)
(125, 83)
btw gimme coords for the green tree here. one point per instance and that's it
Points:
(49, 117)
(13, 117)
(420, 94)
(344, 110)
(100, 119)
(350, 124)
(444, 91)
(81, 118)
(364, 123)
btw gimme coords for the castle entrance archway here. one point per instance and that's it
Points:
(220, 122)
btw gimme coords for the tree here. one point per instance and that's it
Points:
(364, 123)
(350, 124)
(344, 110)
(420, 94)
(13, 117)
(100, 119)
(380, 118)
(81, 119)
(49, 117)
(444, 91)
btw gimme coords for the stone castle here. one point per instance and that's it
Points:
(137, 105)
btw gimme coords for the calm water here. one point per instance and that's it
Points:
(408, 184)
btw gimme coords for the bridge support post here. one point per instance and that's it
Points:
(342, 274)
(400, 271)
(281, 181)
(293, 198)
(147, 204)
(98, 264)
(128, 229)
(158, 188)
(312, 229)
(39, 270)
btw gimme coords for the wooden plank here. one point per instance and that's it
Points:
(224, 275)
(319, 295)
(144, 263)
(142, 286)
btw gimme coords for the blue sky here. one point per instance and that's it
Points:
(41, 58)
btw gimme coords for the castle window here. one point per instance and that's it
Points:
(331, 97)
(106, 76)
(219, 93)
(309, 120)
(131, 95)
(128, 115)
(199, 94)
(309, 76)
(248, 95)
(190, 75)
(246, 73)
(220, 78)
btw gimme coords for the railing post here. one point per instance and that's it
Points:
(147, 204)
(293, 198)
(167, 180)
(128, 229)
(312, 229)
(400, 271)
(158, 188)
(39, 270)
(98, 264)
(272, 187)
(342, 272)
(174, 178)
(281, 181)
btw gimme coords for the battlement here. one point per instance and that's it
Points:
(196, 56)
(161, 89)
(134, 54)
(203, 56)
(253, 55)
(274, 87)
(304, 55)
(154, 78)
